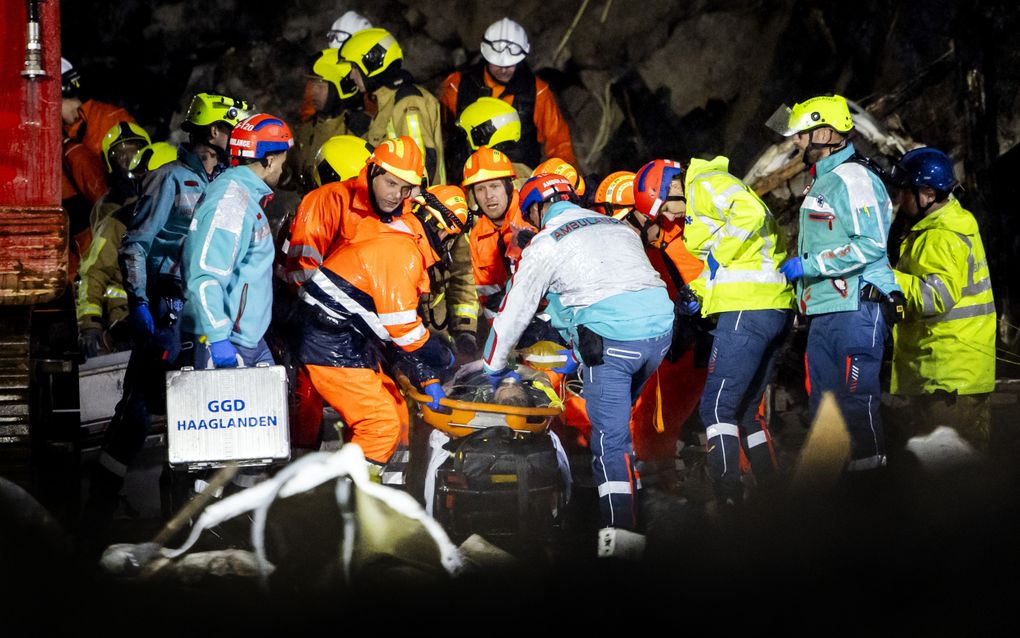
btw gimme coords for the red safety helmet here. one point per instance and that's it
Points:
(258, 136)
(651, 185)
(544, 188)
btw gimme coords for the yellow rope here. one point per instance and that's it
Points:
(570, 30)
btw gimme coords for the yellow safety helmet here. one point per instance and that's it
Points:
(372, 51)
(824, 110)
(340, 158)
(489, 122)
(564, 169)
(209, 108)
(149, 158)
(329, 67)
(123, 137)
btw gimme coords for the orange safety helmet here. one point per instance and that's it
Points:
(564, 168)
(447, 206)
(651, 185)
(401, 158)
(486, 164)
(615, 195)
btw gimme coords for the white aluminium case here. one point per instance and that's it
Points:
(227, 414)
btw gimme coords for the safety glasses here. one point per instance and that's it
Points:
(506, 46)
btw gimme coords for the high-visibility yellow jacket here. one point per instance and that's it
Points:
(726, 220)
(102, 300)
(947, 341)
(408, 109)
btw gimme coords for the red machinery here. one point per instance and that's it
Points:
(33, 240)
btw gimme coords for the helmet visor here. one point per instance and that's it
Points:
(335, 38)
(780, 121)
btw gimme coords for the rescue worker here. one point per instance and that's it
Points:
(340, 213)
(332, 94)
(150, 260)
(842, 270)
(102, 302)
(360, 313)
(731, 230)
(944, 350)
(489, 178)
(486, 122)
(341, 30)
(397, 105)
(120, 144)
(613, 308)
(86, 122)
(228, 256)
(502, 73)
(672, 394)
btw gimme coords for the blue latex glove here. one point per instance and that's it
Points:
(435, 390)
(792, 268)
(688, 301)
(141, 320)
(496, 377)
(224, 354)
(571, 364)
(713, 266)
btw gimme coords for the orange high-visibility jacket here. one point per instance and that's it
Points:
(495, 253)
(551, 127)
(329, 217)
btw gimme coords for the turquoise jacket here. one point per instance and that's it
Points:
(844, 227)
(228, 260)
(150, 254)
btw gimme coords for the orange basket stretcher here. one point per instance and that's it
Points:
(459, 418)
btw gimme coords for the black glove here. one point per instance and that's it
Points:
(524, 237)
(894, 307)
(90, 340)
(465, 343)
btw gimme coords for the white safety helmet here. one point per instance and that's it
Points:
(505, 43)
(345, 26)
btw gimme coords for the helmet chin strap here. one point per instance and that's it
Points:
(812, 144)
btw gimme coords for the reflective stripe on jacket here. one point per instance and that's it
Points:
(363, 299)
(228, 258)
(101, 291)
(844, 228)
(947, 341)
(727, 220)
(408, 109)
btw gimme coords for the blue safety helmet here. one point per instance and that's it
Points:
(926, 166)
(546, 187)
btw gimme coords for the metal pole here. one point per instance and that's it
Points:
(33, 45)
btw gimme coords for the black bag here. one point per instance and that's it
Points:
(500, 480)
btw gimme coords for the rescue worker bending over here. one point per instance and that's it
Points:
(612, 308)
(340, 213)
(228, 257)
(502, 73)
(102, 302)
(944, 350)
(397, 105)
(842, 270)
(362, 300)
(730, 229)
